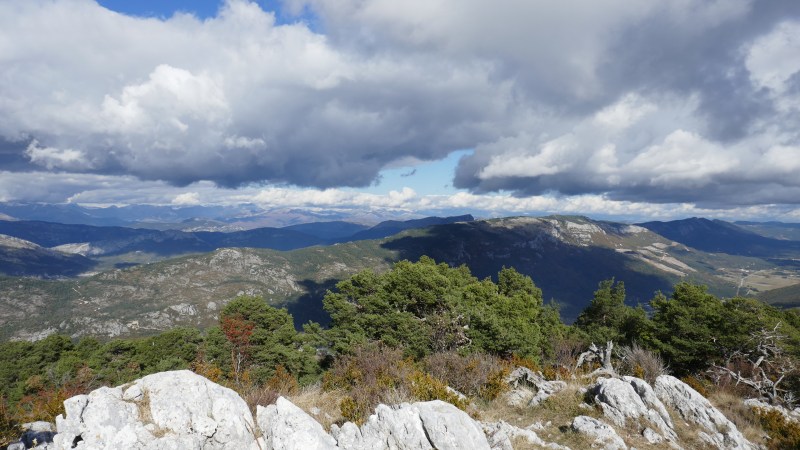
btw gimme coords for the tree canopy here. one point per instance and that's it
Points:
(426, 307)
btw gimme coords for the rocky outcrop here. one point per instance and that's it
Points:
(177, 410)
(501, 434)
(718, 431)
(603, 435)
(422, 425)
(287, 427)
(789, 414)
(633, 399)
(529, 388)
(168, 410)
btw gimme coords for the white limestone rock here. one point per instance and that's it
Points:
(518, 397)
(418, 426)
(168, 410)
(604, 436)
(348, 436)
(530, 388)
(394, 428)
(694, 408)
(287, 427)
(500, 434)
(651, 436)
(650, 399)
(449, 428)
(632, 398)
(39, 426)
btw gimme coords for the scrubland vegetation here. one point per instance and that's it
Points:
(426, 331)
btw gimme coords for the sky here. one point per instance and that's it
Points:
(623, 108)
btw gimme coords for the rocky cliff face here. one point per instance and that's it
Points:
(182, 410)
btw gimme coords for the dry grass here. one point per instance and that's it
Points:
(476, 374)
(555, 415)
(521, 443)
(641, 362)
(745, 419)
(257, 395)
(320, 404)
(146, 415)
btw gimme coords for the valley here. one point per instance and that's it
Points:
(142, 292)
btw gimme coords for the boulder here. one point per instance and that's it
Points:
(168, 410)
(348, 436)
(650, 399)
(694, 408)
(418, 426)
(500, 434)
(632, 398)
(394, 428)
(448, 427)
(287, 427)
(604, 436)
(529, 388)
(37, 426)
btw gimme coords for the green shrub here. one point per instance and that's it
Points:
(475, 374)
(783, 433)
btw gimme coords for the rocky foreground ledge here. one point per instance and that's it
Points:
(182, 410)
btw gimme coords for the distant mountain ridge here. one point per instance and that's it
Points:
(723, 237)
(391, 227)
(776, 230)
(565, 256)
(19, 257)
(94, 241)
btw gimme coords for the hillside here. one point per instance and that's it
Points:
(565, 256)
(483, 363)
(718, 236)
(19, 257)
(184, 291)
(775, 230)
(116, 247)
(786, 297)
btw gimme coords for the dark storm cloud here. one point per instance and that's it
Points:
(12, 156)
(680, 101)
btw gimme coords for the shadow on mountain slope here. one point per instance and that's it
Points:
(554, 266)
(717, 236)
(308, 307)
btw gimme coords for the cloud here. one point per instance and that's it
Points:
(233, 99)
(104, 190)
(686, 102)
(187, 198)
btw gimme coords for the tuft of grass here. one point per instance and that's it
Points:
(744, 417)
(320, 404)
(641, 363)
(555, 414)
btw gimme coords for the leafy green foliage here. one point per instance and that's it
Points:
(687, 327)
(783, 433)
(694, 329)
(271, 338)
(408, 333)
(426, 307)
(607, 318)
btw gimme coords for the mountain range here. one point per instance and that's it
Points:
(115, 247)
(566, 257)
